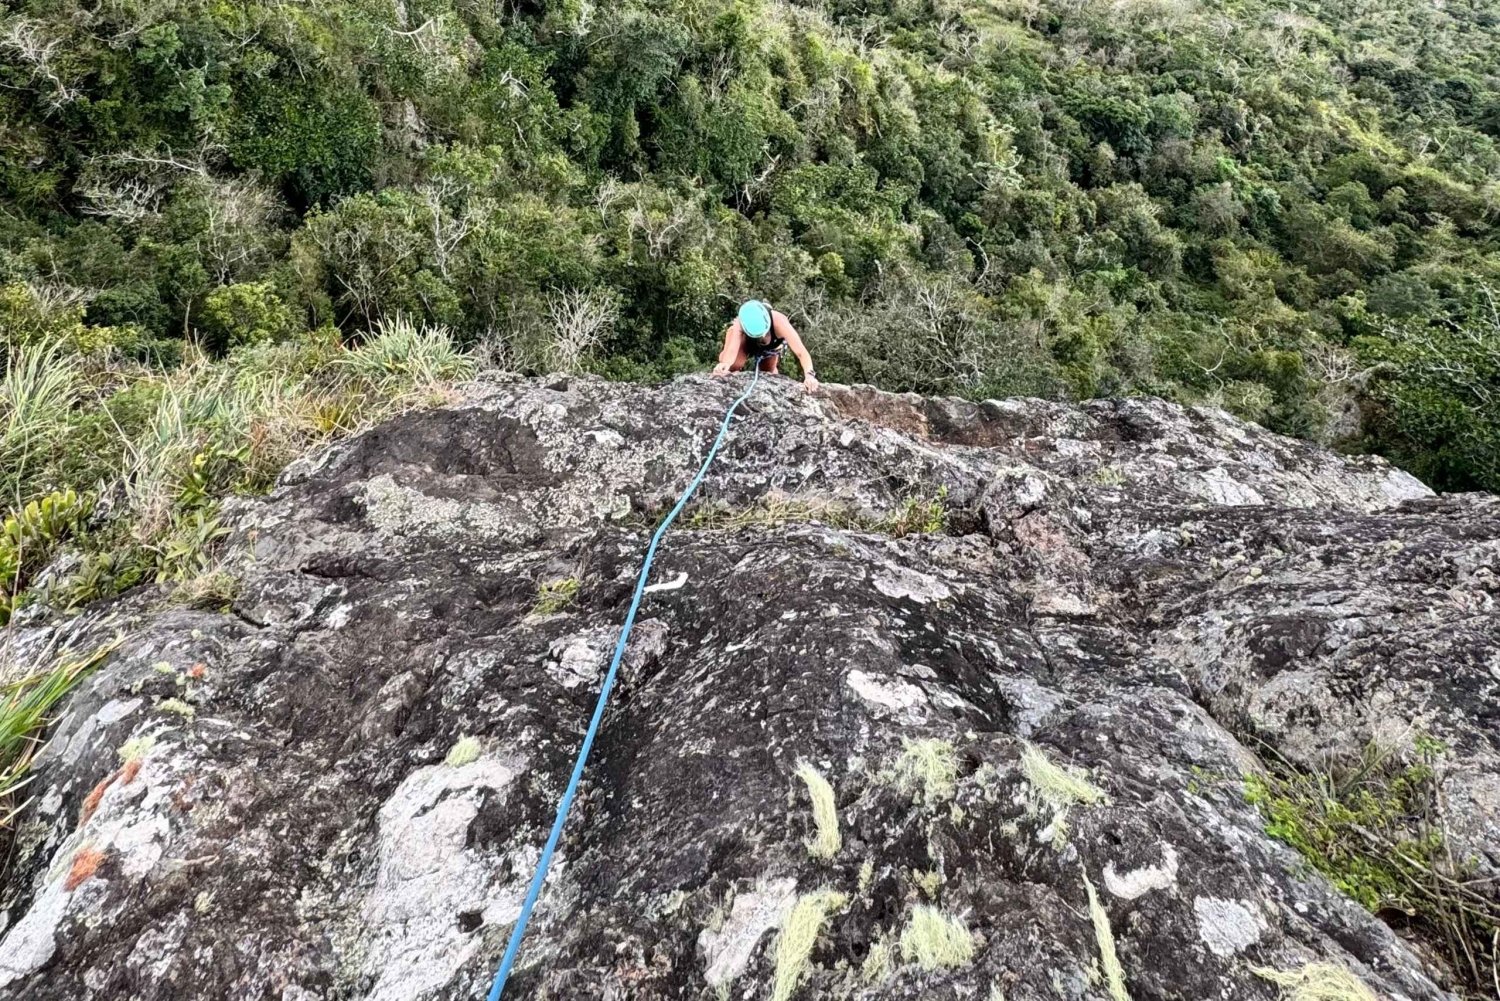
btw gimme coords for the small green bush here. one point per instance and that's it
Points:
(1374, 828)
(244, 314)
(555, 596)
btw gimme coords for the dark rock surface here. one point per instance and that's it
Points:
(1040, 700)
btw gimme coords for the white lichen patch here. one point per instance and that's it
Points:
(901, 582)
(583, 657)
(1218, 487)
(580, 659)
(901, 698)
(395, 511)
(130, 826)
(116, 709)
(1031, 702)
(1227, 926)
(727, 950)
(1138, 882)
(29, 945)
(426, 876)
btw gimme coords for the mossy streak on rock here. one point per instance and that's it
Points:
(912, 515)
(1104, 937)
(465, 750)
(1060, 786)
(926, 768)
(1318, 982)
(827, 840)
(799, 932)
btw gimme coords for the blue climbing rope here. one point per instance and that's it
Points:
(545, 861)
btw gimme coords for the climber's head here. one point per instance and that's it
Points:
(755, 319)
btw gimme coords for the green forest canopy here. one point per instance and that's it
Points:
(1287, 209)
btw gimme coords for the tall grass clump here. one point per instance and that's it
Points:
(40, 386)
(401, 353)
(31, 686)
(162, 448)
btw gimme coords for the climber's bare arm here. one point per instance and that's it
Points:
(734, 347)
(785, 330)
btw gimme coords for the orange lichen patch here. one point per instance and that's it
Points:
(85, 863)
(131, 769)
(197, 671)
(92, 800)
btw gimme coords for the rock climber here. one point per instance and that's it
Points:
(763, 334)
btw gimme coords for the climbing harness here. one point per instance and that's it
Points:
(545, 861)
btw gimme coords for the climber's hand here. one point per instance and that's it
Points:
(721, 370)
(810, 383)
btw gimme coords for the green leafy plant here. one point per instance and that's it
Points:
(29, 537)
(187, 551)
(920, 516)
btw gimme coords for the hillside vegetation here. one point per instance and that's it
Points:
(1287, 210)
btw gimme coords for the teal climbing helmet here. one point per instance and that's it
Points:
(755, 319)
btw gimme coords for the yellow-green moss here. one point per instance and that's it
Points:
(799, 932)
(1061, 787)
(826, 842)
(177, 707)
(927, 768)
(136, 748)
(928, 882)
(879, 963)
(554, 596)
(464, 751)
(1318, 982)
(1109, 960)
(934, 940)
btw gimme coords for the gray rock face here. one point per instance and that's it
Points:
(1032, 708)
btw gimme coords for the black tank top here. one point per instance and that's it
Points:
(761, 348)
